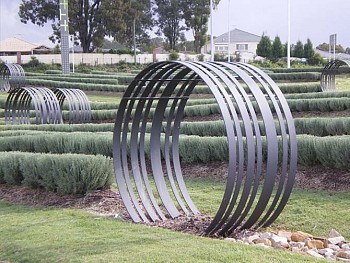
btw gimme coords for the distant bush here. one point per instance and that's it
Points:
(173, 55)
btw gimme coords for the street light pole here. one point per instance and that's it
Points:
(229, 33)
(134, 39)
(288, 47)
(211, 32)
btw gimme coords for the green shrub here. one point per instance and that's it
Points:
(173, 55)
(66, 174)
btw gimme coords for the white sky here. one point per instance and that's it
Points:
(314, 19)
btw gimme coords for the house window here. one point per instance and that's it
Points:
(221, 48)
(242, 46)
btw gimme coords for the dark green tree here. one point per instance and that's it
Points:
(90, 20)
(196, 15)
(169, 17)
(264, 47)
(140, 13)
(298, 50)
(277, 49)
(308, 49)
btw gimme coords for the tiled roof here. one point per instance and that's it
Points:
(237, 35)
(15, 44)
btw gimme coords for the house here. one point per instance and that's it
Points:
(242, 44)
(14, 46)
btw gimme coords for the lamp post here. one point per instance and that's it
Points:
(229, 33)
(134, 39)
(211, 32)
(288, 46)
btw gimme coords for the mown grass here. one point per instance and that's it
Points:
(343, 82)
(103, 97)
(69, 235)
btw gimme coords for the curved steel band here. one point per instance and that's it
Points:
(77, 102)
(12, 76)
(251, 197)
(329, 72)
(21, 100)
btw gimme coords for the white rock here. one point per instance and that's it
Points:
(336, 240)
(297, 244)
(331, 258)
(323, 251)
(266, 235)
(252, 238)
(314, 254)
(345, 246)
(343, 259)
(296, 249)
(334, 247)
(262, 245)
(329, 254)
(334, 233)
(278, 241)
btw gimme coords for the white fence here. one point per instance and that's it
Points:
(99, 58)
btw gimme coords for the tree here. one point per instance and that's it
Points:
(196, 15)
(264, 48)
(169, 17)
(140, 13)
(298, 50)
(90, 20)
(277, 49)
(308, 49)
(325, 47)
(347, 50)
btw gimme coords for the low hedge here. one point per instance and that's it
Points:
(296, 76)
(313, 126)
(65, 174)
(76, 85)
(331, 151)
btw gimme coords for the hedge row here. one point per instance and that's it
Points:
(312, 126)
(296, 76)
(77, 80)
(294, 70)
(319, 95)
(331, 151)
(75, 85)
(66, 173)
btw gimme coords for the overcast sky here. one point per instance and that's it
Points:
(314, 19)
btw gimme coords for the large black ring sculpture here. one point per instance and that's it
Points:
(21, 101)
(78, 104)
(329, 72)
(167, 87)
(12, 77)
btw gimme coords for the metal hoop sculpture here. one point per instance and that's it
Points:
(329, 72)
(21, 101)
(12, 77)
(167, 86)
(78, 104)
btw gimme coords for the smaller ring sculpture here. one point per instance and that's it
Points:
(329, 72)
(12, 76)
(21, 101)
(78, 104)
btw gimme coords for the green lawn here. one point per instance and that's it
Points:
(68, 235)
(343, 82)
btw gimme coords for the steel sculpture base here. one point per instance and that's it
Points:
(251, 198)
(329, 72)
(12, 76)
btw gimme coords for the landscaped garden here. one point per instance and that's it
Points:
(59, 200)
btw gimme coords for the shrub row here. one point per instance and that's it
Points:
(65, 174)
(77, 80)
(75, 85)
(294, 70)
(296, 76)
(319, 95)
(333, 151)
(125, 78)
(312, 126)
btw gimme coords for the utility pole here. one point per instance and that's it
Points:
(134, 39)
(229, 33)
(288, 47)
(211, 32)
